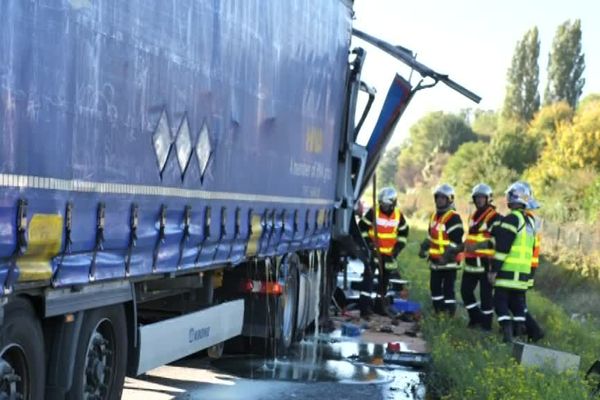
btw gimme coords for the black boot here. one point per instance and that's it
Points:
(518, 329)
(507, 331)
(534, 331)
(379, 306)
(450, 309)
(365, 306)
(475, 317)
(438, 306)
(486, 322)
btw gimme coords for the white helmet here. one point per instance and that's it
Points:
(481, 189)
(519, 193)
(445, 190)
(532, 204)
(388, 196)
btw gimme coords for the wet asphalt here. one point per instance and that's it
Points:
(323, 369)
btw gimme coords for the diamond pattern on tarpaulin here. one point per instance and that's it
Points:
(183, 145)
(162, 141)
(203, 149)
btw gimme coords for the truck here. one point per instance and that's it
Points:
(174, 174)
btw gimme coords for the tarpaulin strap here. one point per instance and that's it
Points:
(68, 230)
(100, 221)
(21, 245)
(187, 218)
(162, 222)
(133, 225)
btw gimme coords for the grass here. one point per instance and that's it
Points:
(470, 364)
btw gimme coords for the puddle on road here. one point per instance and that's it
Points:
(327, 359)
(298, 371)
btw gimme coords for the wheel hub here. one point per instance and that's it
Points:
(11, 387)
(97, 367)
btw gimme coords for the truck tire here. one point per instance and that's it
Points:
(101, 357)
(287, 315)
(22, 361)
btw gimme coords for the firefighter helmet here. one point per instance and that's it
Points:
(518, 193)
(445, 190)
(481, 189)
(388, 196)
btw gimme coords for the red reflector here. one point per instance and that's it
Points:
(247, 286)
(275, 288)
(393, 347)
(262, 287)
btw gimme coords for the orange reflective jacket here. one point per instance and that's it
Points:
(387, 231)
(438, 235)
(479, 232)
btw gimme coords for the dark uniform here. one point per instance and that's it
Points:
(392, 233)
(532, 328)
(445, 240)
(477, 265)
(514, 241)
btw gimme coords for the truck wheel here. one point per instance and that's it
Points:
(22, 365)
(101, 357)
(288, 303)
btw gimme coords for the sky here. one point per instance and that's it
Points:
(470, 40)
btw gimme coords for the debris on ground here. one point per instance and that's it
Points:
(383, 329)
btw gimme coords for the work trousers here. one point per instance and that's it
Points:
(441, 284)
(478, 313)
(510, 301)
(368, 290)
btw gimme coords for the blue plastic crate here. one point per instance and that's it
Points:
(406, 306)
(350, 330)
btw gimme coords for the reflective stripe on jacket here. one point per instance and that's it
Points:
(516, 265)
(479, 232)
(440, 241)
(387, 231)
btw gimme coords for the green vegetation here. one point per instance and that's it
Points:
(522, 98)
(554, 147)
(565, 65)
(469, 364)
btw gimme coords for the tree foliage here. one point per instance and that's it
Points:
(485, 123)
(568, 170)
(465, 168)
(474, 163)
(566, 64)
(522, 99)
(549, 118)
(439, 132)
(388, 167)
(513, 147)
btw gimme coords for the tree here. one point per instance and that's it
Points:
(547, 121)
(513, 147)
(409, 170)
(549, 118)
(485, 123)
(591, 100)
(473, 163)
(438, 132)
(465, 167)
(522, 99)
(567, 172)
(388, 167)
(576, 145)
(566, 64)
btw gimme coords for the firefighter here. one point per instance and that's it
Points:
(385, 233)
(532, 329)
(514, 241)
(442, 248)
(479, 251)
